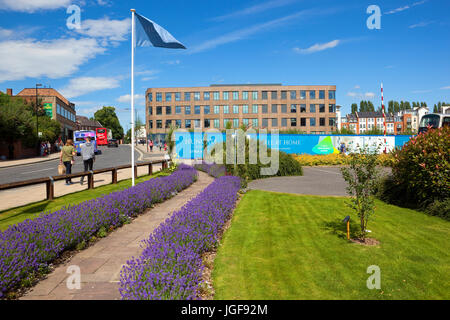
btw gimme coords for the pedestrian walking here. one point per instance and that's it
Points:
(88, 155)
(151, 145)
(165, 146)
(160, 146)
(67, 157)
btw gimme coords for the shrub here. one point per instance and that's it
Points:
(422, 167)
(26, 246)
(439, 209)
(170, 267)
(336, 159)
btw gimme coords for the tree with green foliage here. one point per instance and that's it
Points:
(108, 118)
(354, 108)
(391, 106)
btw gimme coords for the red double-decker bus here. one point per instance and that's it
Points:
(102, 136)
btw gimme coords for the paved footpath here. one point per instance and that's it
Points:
(101, 263)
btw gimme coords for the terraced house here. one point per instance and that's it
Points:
(310, 109)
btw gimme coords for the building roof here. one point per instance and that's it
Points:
(86, 122)
(376, 114)
(43, 92)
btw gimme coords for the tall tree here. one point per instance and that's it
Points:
(391, 106)
(396, 107)
(354, 108)
(370, 106)
(108, 118)
(407, 105)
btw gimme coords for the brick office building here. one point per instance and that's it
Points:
(311, 109)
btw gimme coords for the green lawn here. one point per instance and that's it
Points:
(283, 246)
(30, 211)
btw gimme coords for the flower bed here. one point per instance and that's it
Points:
(30, 245)
(170, 267)
(335, 159)
(213, 169)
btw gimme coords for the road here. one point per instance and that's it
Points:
(110, 157)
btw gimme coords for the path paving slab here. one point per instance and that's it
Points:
(100, 264)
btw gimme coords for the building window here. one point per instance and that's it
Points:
(312, 122)
(321, 108)
(178, 123)
(216, 109)
(168, 123)
(187, 110)
(197, 123)
(177, 96)
(274, 95)
(207, 123)
(187, 123)
(332, 108)
(226, 109)
(274, 122)
(235, 95)
(187, 96)
(245, 108)
(293, 94)
(274, 108)
(293, 122)
(284, 108)
(264, 108)
(331, 122)
(255, 108)
(168, 110)
(150, 97)
(216, 95)
(159, 124)
(264, 95)
(302, 108)
(244, 95)
(235, 109)
(265, 122)
(302, 122)
(197, 96)
(321, 122)
(158, 111)
(293, 108)
(255, 123)
(255, 95)
(321, 94)
(236, 123)
(178, 110)
(302, 94)
(245, 122)
(206, 110)
(332, 95)
(312, 108)
(168, 96)
(216, 123)
(197, 110)
(150, 124)
(225, 122)
(283, 95)
(284, 122)
(226, 95)
(312, 94)
(158, 96)
(206, 96)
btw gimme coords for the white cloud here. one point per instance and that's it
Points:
(420, 24)
(255, 9)
(367, 95)
(318, 47)
(5, 33)
(370, 95)
(357, 87)
(84, 85)
(400, 9)
(139, 99)
(445, 88)
(33, 5)
(244, 33)
(53, 59)
(112, 30)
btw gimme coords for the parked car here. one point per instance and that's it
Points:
(113, 143)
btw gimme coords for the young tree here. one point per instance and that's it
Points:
(361, 176)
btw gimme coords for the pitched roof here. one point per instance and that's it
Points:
(43, 92)
(86, 122)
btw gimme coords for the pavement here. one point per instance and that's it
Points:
(100, 264)
(20, 162)
(323, 181)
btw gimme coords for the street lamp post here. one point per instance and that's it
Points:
(37, 121)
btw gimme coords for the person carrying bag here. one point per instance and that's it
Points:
(88, 154)
(66, 158)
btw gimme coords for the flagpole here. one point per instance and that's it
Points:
(132, 94)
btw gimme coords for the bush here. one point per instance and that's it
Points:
(170, 266)
(26, 246)
(337, 159)
(440, 209)
(422, 167)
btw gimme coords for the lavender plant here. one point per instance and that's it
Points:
(28, 246)
(170, 266)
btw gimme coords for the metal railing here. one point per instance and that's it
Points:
(50, 181)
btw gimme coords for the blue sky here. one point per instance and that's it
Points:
(293, 42)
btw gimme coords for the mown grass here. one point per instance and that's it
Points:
(283, 246)
(31, 211)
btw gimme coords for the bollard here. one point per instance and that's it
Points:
(91, 180)
(50, 189)
(150, 169)
(114, 176)
(347, 219)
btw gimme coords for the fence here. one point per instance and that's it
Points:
(49, 181)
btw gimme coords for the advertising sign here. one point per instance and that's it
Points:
(48, 108)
